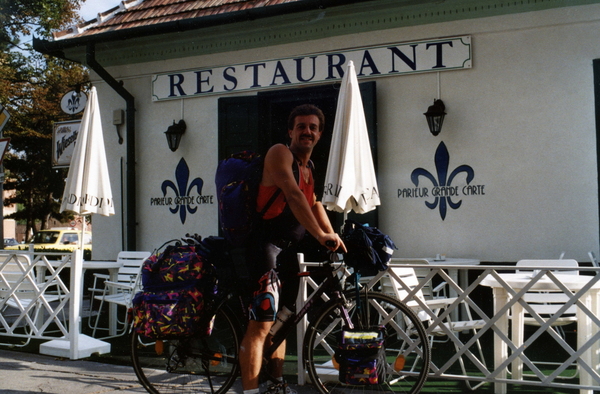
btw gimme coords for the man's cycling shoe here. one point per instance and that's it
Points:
(280, 388)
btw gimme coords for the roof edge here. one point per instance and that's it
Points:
(101, 17)
(56, 48)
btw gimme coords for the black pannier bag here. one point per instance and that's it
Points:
(369, 250)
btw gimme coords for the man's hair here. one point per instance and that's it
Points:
(304, 110)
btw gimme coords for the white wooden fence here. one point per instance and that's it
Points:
(38, 302)
(569, 359)
(34, 297)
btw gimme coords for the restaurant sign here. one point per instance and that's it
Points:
(442, 54)
(63, 142)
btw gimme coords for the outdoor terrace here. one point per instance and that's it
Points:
(511, 349)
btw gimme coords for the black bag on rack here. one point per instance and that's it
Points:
(369, 250)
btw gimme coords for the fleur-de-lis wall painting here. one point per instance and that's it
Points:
(443, 180)
(182, 190)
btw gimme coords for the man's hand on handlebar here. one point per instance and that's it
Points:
(333, 242)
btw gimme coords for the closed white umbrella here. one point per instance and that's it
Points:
(350, 182)
(87, 191)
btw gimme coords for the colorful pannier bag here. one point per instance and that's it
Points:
(361, 357)
(169, 313)
(176, 286)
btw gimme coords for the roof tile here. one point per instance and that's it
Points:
(135, 13)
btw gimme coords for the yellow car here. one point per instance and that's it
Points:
(57, 239)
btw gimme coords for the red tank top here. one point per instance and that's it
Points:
(266, 192)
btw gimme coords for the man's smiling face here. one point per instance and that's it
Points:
(305, 133)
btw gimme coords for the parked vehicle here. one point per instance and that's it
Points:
(57, 239)
(10, 242)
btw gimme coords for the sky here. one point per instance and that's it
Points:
(91, 8)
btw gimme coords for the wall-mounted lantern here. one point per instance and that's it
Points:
(435, 116)
(174, 133)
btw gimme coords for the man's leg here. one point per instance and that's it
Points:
(251, 355)
(251, 352)
(262, 315)
(276, 362)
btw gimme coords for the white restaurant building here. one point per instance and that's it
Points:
(513, 173)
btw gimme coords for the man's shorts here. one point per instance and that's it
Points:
(265, 301)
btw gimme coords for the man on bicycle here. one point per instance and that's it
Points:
(294, 211)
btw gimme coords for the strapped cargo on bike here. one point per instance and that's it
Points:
(369, 250)
(177, 283)
(361, 356)
(343, 333)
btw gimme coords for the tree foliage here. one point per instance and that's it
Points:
(40, 17)
(31, 87)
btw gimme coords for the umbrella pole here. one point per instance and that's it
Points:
(75, 305)
(76, 291)
(82, 233)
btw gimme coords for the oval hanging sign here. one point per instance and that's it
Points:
(73, 102)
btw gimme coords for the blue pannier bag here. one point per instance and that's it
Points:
(369, 250)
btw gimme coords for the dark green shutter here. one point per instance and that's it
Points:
(238, 125)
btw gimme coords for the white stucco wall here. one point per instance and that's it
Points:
(522, 118)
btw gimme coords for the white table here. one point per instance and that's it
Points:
(110, 265)
(458, 275)
(585, 328)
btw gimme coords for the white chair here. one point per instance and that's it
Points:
(20, 289)
(429, 303)
(547, 303)
(118, 293)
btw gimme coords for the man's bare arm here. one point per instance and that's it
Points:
(278, 171)
(323, 220)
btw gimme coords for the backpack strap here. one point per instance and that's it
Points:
(296, 168)
(270, 202)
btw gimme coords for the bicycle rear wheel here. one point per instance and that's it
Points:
(203, 364)
(406, 346)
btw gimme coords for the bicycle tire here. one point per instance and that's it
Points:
(203, 364)
(408, 354)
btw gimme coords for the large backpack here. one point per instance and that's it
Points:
(237, 179)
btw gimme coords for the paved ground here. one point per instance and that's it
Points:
(22, 372)
(25, 371)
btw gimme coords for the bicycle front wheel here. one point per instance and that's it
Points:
(203, 364)
(407, 352)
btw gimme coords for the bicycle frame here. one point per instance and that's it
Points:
(331, 286)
